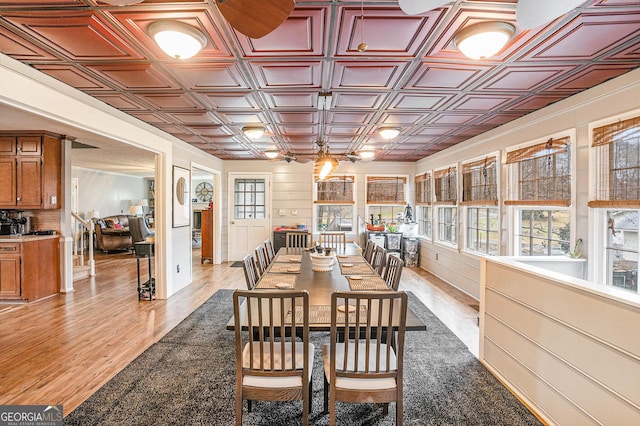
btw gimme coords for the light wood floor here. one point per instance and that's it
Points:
(62, 349)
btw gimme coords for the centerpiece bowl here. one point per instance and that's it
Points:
(322, 262)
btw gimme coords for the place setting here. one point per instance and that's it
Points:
(288, 258)
(285, 268)
(279, 281)
(366, 283)
(350, 258)
(361, 268)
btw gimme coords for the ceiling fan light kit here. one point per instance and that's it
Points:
(389, 132)
(177, 39)
(253, 132)
(271, 154)
(484, 39)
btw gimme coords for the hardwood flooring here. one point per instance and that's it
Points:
(62, 349)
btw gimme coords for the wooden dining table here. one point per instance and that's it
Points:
(293, 266)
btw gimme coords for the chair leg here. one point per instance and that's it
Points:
(310, 394)
(239, 409)
(249, 405)
(385, 409)
(326, 395)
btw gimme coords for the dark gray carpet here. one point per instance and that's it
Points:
(236, 264)
(187, 378)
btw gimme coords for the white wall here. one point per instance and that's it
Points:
(571, 116)
(108, 193)
(292, 188)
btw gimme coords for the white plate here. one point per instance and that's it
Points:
(347, 265)
(294, 260)
(282, 285)
(355, 277)
(343, 256)
(293, 270)
(340, 308)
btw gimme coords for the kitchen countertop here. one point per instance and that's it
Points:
(25, 238)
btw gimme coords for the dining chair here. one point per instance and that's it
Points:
(274, 357)
(271, 254)
(297, 240)
(368, 251)
(378, 259)
(363, 361)
(261, 259)
(250, 271)
(393, 272)
(335, 240)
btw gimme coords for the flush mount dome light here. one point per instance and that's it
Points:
(389, 132)
(121, 2)
(271, 154)
(177, 39)
(253, 132)
(483, 40)
(367, 155)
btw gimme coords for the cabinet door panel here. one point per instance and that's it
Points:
(8, 179)
(10, 276)
(7, 145)
(29, 182)
(29, 145)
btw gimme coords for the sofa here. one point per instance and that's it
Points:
(112, 233)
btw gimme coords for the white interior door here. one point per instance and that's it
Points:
(249, 213)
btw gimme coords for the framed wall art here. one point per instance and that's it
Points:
(181, 197)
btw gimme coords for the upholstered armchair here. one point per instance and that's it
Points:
(139, 230)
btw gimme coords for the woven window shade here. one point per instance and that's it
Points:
(542, 173)
(423, 189)
(386, 190)
(550, 147)
(479, 182)
(335, 189)
(617, 153)
(446, 185)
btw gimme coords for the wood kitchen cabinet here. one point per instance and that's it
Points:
(29, 269)
(30, 164)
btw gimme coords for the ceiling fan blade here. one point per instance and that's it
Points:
(416, 7)
(255, 18)
(533, 13)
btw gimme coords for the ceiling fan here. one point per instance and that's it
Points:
(529, 13)
(253, 18)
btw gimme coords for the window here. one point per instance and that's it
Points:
(542, 232)
(541, 174)
(482, 230)
(617, 153)
(334, 204)
(386, 197)
(480, 199)
(448, 225)
(622, 249)
(423, 204)
(249, 199)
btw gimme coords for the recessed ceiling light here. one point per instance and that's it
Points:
(483, 40)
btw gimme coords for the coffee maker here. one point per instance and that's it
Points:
(12, 222)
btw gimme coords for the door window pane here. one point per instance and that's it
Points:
(249, 199)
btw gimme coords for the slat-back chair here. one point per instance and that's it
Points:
(368, 250)
(379, 259)
(271, 254)
(261, 259)
(393, 272)
(363, 362)
(335, 240)
(250, 271)
(268, 368)
(297, 239)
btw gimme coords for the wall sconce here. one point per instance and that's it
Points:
(389, 132)
(271, 154)
(177, 39)
(253, 132)
(485, 39)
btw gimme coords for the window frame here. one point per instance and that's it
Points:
(378, 204)
(347, 203)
